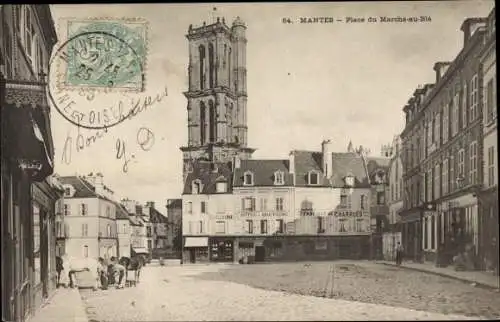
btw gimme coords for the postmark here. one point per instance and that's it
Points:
(97, 72)
(103, 54)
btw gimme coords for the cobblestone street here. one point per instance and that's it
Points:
(217, 292)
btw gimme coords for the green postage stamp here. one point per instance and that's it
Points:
(104, 53)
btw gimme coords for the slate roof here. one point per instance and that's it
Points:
(157, 217)
(343, 164)
(263, 172)
(349, 163)
(83, 188)
(134, 220)
(306, 161)
(208, 175)
(121, 212)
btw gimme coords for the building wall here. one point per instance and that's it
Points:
(265, 209)
(124, 237)
(355, 217)
(217, 208)
(490, 123)
(75, 247)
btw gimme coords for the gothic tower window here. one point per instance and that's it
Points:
(211, 67)
(213, 121)
(202, 66)
(229, 68)
(202, 123)
(225, 56)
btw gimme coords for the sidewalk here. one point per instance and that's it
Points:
(65, 305)
(484, 279)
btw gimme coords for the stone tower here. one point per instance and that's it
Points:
(217, 94)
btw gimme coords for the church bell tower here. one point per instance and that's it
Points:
(217, 94)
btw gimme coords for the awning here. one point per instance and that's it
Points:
(26, 124)
(140, 250)
(196, 242)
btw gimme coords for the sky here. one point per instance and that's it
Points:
(305, 82)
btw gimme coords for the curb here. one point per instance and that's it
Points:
(464, 280)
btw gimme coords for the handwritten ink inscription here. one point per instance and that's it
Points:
(145, 137)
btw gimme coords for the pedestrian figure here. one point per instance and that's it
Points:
(102, 273)
(119, 270)
(59, 269)
(399, 254)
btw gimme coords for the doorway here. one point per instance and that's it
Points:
(192, 255)
(260, 253)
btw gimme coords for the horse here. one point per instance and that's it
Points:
(134, 263)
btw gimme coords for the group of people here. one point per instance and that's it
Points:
(102, 271)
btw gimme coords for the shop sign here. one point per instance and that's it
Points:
(346, 213)
(40, 197)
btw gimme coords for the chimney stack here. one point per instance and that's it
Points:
(236, 162)
(327, 158)
(470, 26)
(440, 69)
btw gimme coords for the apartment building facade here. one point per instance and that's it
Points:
(394, 200)
(90, 217)
(489, 238)
(442, 144)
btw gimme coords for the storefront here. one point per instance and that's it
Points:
(221, 249)
(489, 237)
(411, 234)
(195, 250)
(44, 195)
(459, 226)
(27, 158)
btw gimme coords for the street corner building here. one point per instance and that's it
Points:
(29, 192)
(450, 203)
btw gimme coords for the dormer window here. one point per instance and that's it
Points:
(196, 187)
(248, 178)
(221, 185)
(69, 191)
(349, 181)
(313, 178)
(279, 178)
